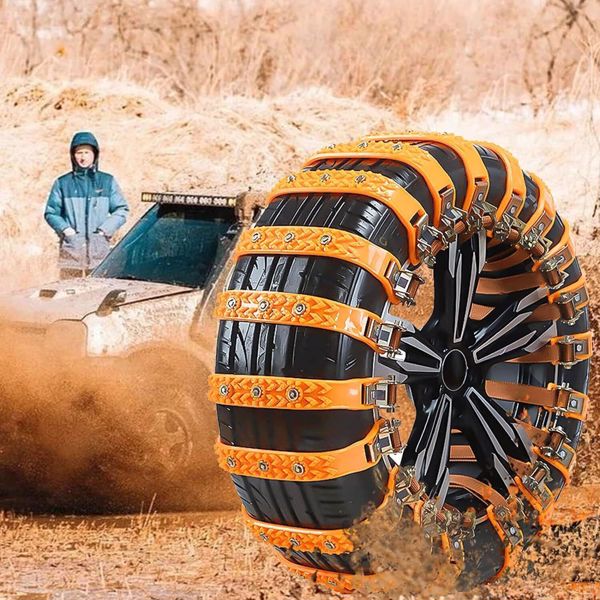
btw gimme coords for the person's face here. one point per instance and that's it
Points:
(84, 156)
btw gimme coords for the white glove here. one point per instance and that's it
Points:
(69, 231)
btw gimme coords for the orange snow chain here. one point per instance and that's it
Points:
(322, 241)
(563, 462)
(363, 183)
(532, 236)
(560, 399)
(563, 253)
(514, 258)
(565, 350)
(301, 466)
(298, 309)
(515, 181)
(541, 499)
(256, 391)
(343, 583)
(511, 552)
(437, 179)
(301, 539)
(477, 176)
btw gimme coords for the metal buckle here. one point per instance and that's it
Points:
(429, 238)
(508, 524)
(387, 336)
(568, 307)
(534, 482)
(551, 273)
(506, 224)
(407, 489)
(405, 284)
(387, 441)
(451, 220)
(482, 215)
(569, 401)
(382, 394)
(570, 350)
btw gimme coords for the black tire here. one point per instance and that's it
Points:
(456, 396)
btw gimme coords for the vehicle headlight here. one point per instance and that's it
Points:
(68, 339)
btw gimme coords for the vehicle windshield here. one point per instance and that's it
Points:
(172, 244)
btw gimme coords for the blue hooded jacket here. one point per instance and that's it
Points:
(89, 201)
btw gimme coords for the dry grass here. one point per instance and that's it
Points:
(414, 55)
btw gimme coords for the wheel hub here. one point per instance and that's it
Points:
(454, 370)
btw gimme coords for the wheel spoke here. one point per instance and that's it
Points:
(456, 275)
(428, 448)
(417, 361)
(504, 334)
(493, 436)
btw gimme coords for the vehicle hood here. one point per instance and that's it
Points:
(75, 298)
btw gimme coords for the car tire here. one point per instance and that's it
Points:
(314, 351)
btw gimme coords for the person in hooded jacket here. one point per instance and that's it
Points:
(85, 208)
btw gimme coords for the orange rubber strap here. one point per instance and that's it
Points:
(545, 212)
(300, 466)
(297, 309)
(553, 398)
(515, 180)
(554, 352)
(300, 539)
(509, 553)
(577, 286)
(436, 177)
(563, 469)
(462, 453)
(362, 183)
(343, 583)
(473, 164)
(516, 257)
(509, 284)
(321, 241)
(535, 502)
(564, 250)
(256, 391)
(478, 488)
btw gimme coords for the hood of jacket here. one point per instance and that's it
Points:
(79, 139)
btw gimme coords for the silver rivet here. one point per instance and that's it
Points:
(573, 403)
(562, 453)
(263, 305)
(224, 390)
(263, 466)
(299, 308)
(513, 531)
(457, 544)
(231, 302)
(294, 542)
(480, 196)
(298, 468)
(231, 462)
(256, 236)
(256, 391)
(325, 239)
(329, 545)
(579, 347)
(291, 178)
(289, 237)
(325, 177)
(513, 210)
(541, 227)
(360, 178)
(293, 394)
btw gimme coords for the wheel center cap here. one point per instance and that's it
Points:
(454, 370)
